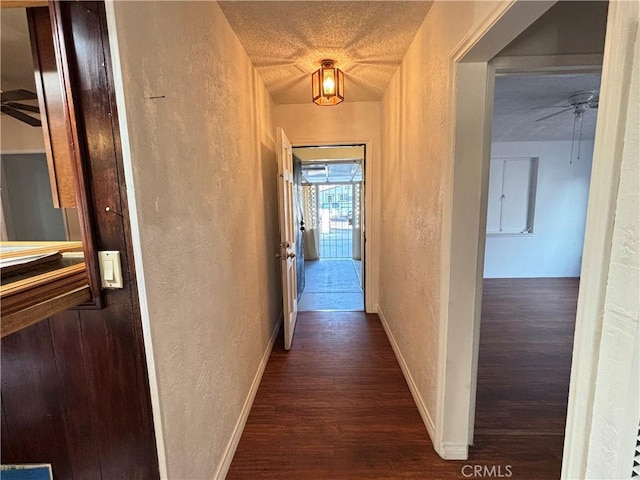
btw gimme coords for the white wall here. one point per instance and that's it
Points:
(616, 407)
(349, 122)
(204, 180)
(555, 247)
(416, 169)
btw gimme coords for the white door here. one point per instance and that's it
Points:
(287, 238)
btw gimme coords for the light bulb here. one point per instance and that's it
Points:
(329, 86)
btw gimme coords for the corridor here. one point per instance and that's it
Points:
(336, 406)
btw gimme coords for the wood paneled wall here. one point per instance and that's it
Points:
(75, 390)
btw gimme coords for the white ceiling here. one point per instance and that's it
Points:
(287, 40)
(516, 96)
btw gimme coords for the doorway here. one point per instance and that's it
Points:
(539, 175)
(329, 204)
(474, 76)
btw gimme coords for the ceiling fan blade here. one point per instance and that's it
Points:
(17, 95)
(23, 117)
(550, 106)
(23, 106)
(554, 114)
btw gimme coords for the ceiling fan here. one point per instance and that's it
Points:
(9, 105)
(579, 102)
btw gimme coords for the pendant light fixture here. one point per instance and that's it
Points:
(327, 84)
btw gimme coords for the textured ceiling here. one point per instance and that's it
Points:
(367, 38)
(515, 120)
(287, 40)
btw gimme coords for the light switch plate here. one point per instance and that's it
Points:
(110, 269)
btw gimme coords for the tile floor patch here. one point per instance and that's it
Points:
(332, 285)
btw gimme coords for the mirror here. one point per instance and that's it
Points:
(42, 253)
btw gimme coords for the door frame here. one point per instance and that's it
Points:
(464, 223)
(511, 66)
(367, 207)
(463, 218)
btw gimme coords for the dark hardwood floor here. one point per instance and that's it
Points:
(524, 365)
(337, 406)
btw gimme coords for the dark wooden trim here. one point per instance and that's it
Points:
(63, 42)
(120, 200)
(53, 109)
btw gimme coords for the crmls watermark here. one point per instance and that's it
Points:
(486, 471)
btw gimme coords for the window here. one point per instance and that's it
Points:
(512, 194)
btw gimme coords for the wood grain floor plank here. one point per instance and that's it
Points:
(337, 406)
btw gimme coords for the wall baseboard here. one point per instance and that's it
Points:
(417, 398)
(246, 408)
(454, 451)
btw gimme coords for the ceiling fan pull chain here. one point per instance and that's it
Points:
(573, 139)
(580, 137)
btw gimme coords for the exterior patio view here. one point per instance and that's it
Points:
(332, 196)
(332, 211)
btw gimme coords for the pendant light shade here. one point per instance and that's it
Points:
(327, 84)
